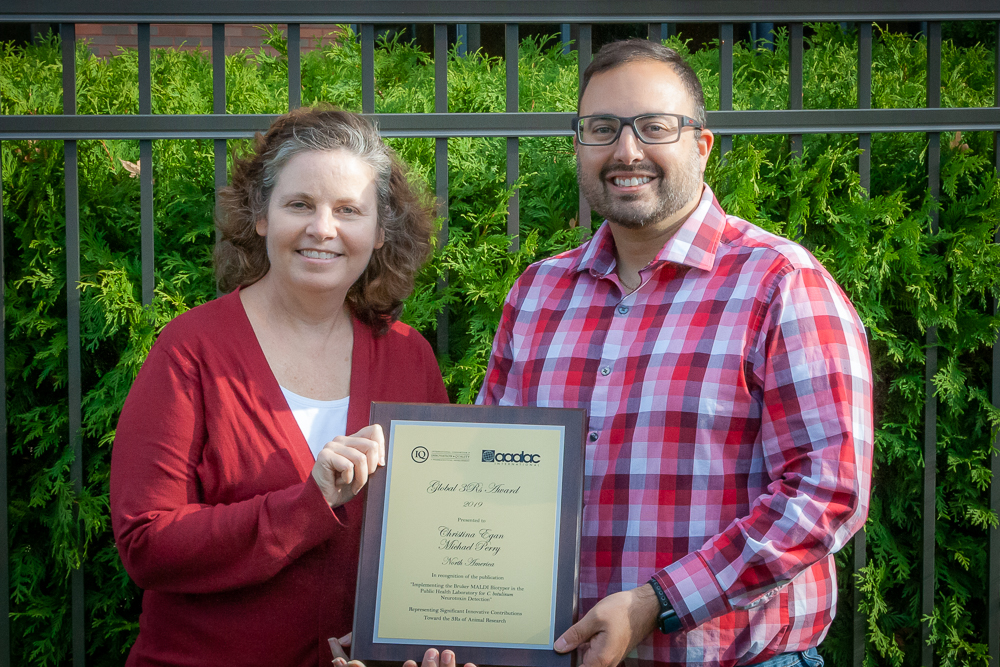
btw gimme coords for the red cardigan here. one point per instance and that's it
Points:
(213, 505)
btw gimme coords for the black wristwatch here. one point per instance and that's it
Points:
(667, 620)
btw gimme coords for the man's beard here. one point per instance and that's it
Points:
(674, 190)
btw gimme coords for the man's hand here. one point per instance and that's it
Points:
(613, 627)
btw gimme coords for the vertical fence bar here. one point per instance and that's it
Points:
(930, 411)
(654, 32)
(441, 164)
(864, 171)
(67, 33)
(725, 80)
(368, 68)
(219, 100)
(294, 66)
(993, 596)
(511, 43)
(4, 543)
(474, 37)
(795, 80)
(147, 252)
(865, 100)
(584, 52)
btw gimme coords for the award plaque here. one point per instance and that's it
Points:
(471, 535)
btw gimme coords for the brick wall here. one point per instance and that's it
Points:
(105, 39)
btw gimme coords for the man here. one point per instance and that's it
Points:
(728, 388)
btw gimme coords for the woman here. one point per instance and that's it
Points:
(234, 483)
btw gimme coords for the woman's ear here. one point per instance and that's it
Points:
(261, 227)
(379, 238)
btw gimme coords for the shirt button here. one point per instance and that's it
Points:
(606, 370)
(593, 436)
(622, 310)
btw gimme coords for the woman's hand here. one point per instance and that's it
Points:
(344, 464)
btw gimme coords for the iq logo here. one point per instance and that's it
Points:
(420, 454)
(489, 455)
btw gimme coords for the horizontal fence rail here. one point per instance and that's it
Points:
(511, 125)
(491, 11)
(523, 124)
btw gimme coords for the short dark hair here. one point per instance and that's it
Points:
(405, 215)
(615, 54)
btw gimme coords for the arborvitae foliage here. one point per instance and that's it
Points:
(902, 278)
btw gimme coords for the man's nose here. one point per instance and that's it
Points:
(628, 149)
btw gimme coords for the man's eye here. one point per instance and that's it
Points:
(602, 129)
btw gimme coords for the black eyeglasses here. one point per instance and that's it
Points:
(650, 128)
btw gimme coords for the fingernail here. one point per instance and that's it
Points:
(339, 662)
(447, 658)
(560, 645)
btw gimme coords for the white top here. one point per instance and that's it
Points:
(320, 421)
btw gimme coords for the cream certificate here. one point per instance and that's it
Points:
(469, 540)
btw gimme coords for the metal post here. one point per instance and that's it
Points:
(474, 37)
(864, 170)
(511, 43)
(564, 31)
(654, 32)
(795, 81)
(4, 492)
(993, 583)
(219, 102)
(367, 68)
(584, 52)
(147, 251)
(462, 39)
(725, 80)
(441, 165)
(930, 411)
(294, 66)
(67, 33)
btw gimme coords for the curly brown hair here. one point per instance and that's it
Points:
(405, 215)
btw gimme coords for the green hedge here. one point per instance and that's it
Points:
(902, 278)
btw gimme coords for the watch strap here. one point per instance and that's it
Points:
(667, 620)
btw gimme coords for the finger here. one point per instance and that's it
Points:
(447, 659)
(339, 662)
(372, 448)
(577, 634)
(346, 639)
(430, 658)
(361, 452)
(350, 464)
(379, 438)
(410, 663)
(337, 650)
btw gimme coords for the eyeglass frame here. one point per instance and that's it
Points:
(685, 121)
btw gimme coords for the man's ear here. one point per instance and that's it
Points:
(705, 143)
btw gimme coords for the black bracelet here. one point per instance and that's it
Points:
(667, 620)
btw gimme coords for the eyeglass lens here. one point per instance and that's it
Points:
(654, 129)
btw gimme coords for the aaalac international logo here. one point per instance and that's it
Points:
(493, 456)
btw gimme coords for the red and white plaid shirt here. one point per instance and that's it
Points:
(730, 435)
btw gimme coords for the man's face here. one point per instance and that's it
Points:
(668, 176)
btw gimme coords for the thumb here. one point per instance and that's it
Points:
(577, 634)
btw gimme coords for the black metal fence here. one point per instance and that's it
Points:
(440, 125)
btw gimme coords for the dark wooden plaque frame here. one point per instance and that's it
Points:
(568, 560)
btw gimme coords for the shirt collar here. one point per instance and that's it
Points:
(694, 244)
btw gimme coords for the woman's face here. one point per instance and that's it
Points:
(322, 223)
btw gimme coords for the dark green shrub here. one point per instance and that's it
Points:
(902, 278)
